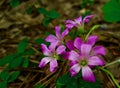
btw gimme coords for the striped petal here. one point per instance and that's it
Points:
(57, 30)
(100, 50)
(73, 63)
(86, 19)
(73, 56)
(92, 40)
(87, 74)
(53, 65)
(78, 20)
(60, 49)
(85, 49)
(74, 70)
(44, 61)
(94, 61)
(45, 50)
(53, 45)
(51, 38)
(70, 45)
(70, 24)
(65, 32)
(77, 43)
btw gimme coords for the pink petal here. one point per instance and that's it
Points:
(65, 32)
(45, 50)
(94, 61)
(70, 22)
(57, 29)
(51, 38)
(44, 61)
(79, 20)
(77, 43)
(92, 40)
(72, 63)
(65, 55)
(73, 56)
(53, 45)
(53, 65)
(100, 50)
(69, 25)
(87, 74)
(74, 70)
(70, 45)
(60, 49)
(86, 19)
(85, 49)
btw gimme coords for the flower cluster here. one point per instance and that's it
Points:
(82, 54)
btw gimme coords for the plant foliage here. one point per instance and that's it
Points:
(49, 15)
(66, 81)
(112, 11)
(14, 3)
(18, 59)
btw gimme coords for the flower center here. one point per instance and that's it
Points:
(55, 56)
(83, 62)
(61, 40)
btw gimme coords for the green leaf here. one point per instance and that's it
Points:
(15, 62)
(3, 84)
(46, 21)
(53, 14)
(49, 15)
(86, 84)
(14, 3)
(7, 59)
(13, 76)
(40, 41)
(47, 33)
(4, 75)
(39, 86)
(31, 64)
(29, 52)
(42, 10)
(22, 45)
(86, 2)
(25, 62)
(112, 11)
(29, 10)
(66, 81)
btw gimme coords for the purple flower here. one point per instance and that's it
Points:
(58, 39)
(78, 21)
(85, 60)
(52, 55)
(76, 45)
(78, 42)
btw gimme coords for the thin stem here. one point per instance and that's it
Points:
(91, 30)
(110, 74)
(116, 61)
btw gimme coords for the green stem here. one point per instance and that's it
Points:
(92, 29)
(110, 74)
(116, 61)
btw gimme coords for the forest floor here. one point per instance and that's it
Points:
(16, 24)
